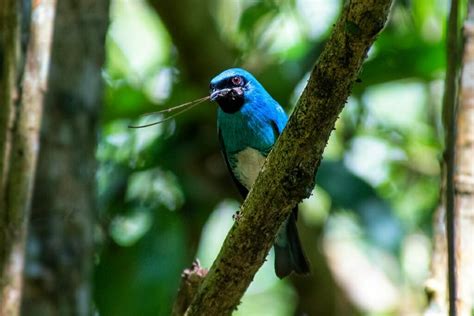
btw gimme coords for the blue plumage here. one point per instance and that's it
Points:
(257, 123)
(249, 122)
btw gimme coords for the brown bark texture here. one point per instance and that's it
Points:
(288, 174)
(59, 263)
(23, 84)
(463, 183)
(464, 175)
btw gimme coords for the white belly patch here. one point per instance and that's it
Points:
(248, 163)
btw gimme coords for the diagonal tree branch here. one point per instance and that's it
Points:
(288, 174)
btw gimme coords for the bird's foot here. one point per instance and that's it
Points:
(236, 216)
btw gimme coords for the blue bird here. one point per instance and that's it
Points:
(249, 122)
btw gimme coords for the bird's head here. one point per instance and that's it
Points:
(232, 88)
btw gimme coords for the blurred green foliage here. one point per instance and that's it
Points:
(164, 193)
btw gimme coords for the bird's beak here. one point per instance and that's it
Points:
(219, 93)
(215, 94)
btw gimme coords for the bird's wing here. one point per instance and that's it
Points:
(243, 191)
(276, 129)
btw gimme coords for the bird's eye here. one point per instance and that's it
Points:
(236, 81)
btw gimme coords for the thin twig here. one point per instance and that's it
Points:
(449, 120)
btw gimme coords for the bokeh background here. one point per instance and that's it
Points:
(165, 196)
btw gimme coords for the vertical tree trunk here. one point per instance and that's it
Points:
(464, 200)
(464, 174)
(60, 245)
(23, 85)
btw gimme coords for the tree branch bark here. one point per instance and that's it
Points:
(24, 108)
(288, 174)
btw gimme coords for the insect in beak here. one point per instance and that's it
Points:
(182, 108)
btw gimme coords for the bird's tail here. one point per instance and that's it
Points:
(289, 255)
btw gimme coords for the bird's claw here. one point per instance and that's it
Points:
(236, 216)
